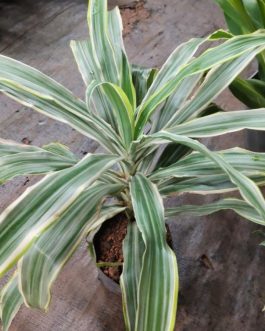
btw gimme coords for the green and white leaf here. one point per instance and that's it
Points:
(221, 123)
(177, 100)
(18, 159)
(212, 87)
(247, 187)
(36, 90)
(229, 50)
(60, 149)
(239, 206)
(210, 184)
(169, 70)
(10, 302)
(116, 102)
(9, 147)
(108, 53)
(40, 266)
(133, 250)
(159, 275)
(196, 164)
(42, 204)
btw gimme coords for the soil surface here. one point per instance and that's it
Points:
(108, 245)
(133, 14)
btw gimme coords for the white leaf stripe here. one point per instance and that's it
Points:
(179, 57)
(84, 58)
(62, 150)
(165, 75)
(42, 204)
(176, 101)
(8, 147)
(19, 159)
(212, 87)
(240, 207)
(40, 266)
(159, 276)
(247, 187)
(24, 75)
(229, 50)
(210, 184)
(97, 101)
(115, 28)
(31, 163)
(133, 249)
(33, 89)
(196, 164)
(221, 123)
(108, 53)
(120, 107)
(10, 302)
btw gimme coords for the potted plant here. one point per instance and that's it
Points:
(243, 17)
(149, 122)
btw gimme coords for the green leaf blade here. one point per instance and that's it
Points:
(133, 249)
(10, 302)
(42, 204)
(221, 123)
(158, 286)
(42, 263)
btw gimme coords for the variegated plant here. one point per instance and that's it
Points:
(148, 121)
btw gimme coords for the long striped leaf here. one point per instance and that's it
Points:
(229, 50)
(177, 100)
(10, 301)
(212, 87)
(105, 31)
(118, 104)
(36, 90)
(181, 56)
(178, 58)
(172, 152)
(8, 147)
(158, 284)
(196, 164)
(33, 163)
(17, 159)
(42, 204)
(222, 123)
(210, 184)
(247, 187)
(40, 266)
(240, 207)
(133, 250)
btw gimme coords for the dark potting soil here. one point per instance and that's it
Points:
(108, 245)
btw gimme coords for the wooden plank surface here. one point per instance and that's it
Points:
(221, 265)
